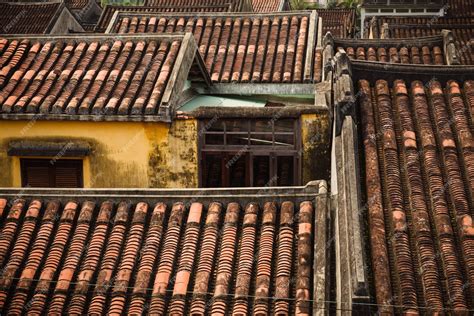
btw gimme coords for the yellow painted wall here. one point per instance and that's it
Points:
(146, 155)
(316, 139)
(124, 154)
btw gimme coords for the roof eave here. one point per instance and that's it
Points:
(187, 54)
(374, 70)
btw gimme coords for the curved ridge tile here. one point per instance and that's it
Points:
(148, 258)
(73, 258)
(225, 260)
(439, 205)
(264, 260)
(128, 260)
(167, 260)
(35, 257)
(281, 304)
(110, 260)
(305, 252)
(206, 260)
(20, 247)
(246, 259)
(55, 253)
(393, 188)
(91, 261)
(10, 227)
(186, 260)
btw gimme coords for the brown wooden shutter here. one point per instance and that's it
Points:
(68, 174)
(37, 176)
(64, 173)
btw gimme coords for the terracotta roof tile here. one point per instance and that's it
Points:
(167, 260)
(76, 4)
(73, 76)
(340, 22)
(414, 27)
(3, 204)
(245, 260)
(19, 251)
(460, 8)
(186, 261)
(110, 260)
(412, 158)
(235, 5)
(148, 259)
(55, 253)
(268, 5)
(128, 260)
(226, 259)
(405, 54)
(207, 257)
(269, 48)
(28, 18)
(109, 10)
(91, 260)
(264, 259)
(283, 256)
(119, 259)
(9, 228)
(303, 279)
(73, 258)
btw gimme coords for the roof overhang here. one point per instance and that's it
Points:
(244, 88)
(374, 70)
(109, 11)
(387, 43)
(256, 88)
(188, 58)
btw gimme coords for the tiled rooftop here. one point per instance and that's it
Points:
(148, 255)
(419, 174)
(76, 4)
(339, 22)
(102, 75)
(267, 5)
(458, 8)
(423, 54)
(28, 18)
(413, 27)
(236, 5)
(109, 10)
(263, 48)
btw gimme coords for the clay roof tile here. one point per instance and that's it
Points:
(245, 48)
(421, 119)
(78, 77)
(104, 259)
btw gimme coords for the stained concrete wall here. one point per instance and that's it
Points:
(174, 159)
(123, 154)
(315, 136)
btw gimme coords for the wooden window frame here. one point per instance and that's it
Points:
(249, 150)
(27, 162)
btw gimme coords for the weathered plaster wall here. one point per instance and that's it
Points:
(90, 13)
(315, 135)
(65, 23)
(123, 154)
(174, 159)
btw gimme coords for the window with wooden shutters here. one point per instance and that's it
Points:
(250, 152)
(61, 173)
